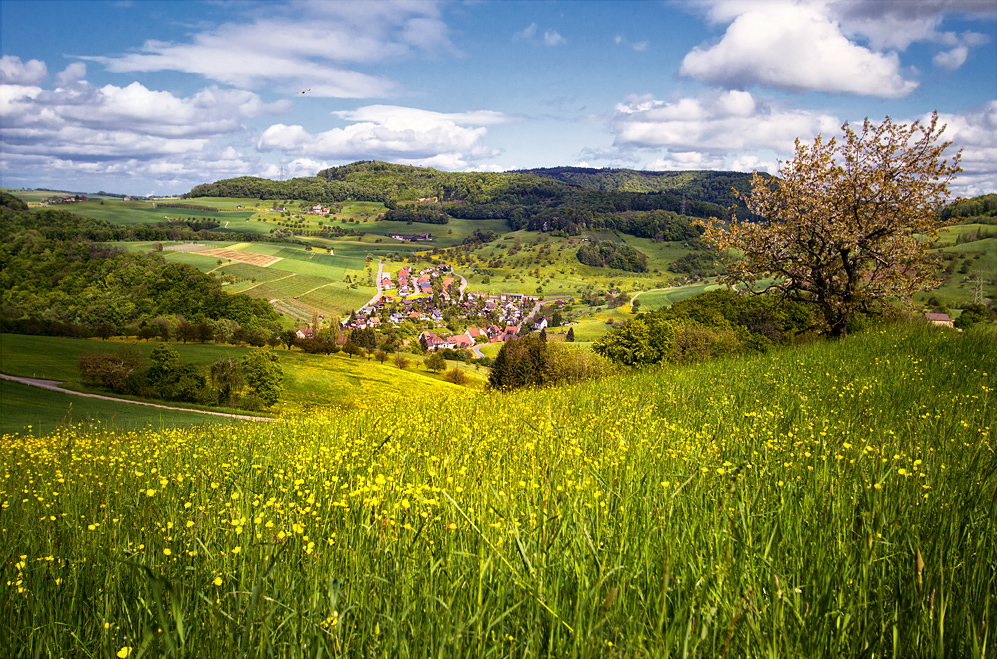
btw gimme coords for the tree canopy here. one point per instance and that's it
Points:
(847, 225)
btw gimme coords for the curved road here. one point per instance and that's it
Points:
(53, 385)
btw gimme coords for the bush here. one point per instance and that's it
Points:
(456, 376)
(573, 363)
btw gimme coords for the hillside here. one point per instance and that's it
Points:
(705, 185)
(514, 196)
(823, 501)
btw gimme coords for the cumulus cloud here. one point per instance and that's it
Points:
(839, 46)
(79, 130)
(951, 60)
(752, 163)
(712, 130)
(401, 134)
(974, 132)
(327, 38)
(72, 73)
(15, 72)
(714, 123)
(794, 46)
(738, 131)
(899, 23)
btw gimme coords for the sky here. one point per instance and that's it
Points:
(152, 98)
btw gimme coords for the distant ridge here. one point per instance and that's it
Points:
(704, 185)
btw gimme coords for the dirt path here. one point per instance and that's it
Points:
(53, 385)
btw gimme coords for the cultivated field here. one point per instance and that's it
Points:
(241, 256)
(825, 501)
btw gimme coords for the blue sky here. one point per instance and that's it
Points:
(156, 97)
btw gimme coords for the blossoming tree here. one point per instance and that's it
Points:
(846, 226)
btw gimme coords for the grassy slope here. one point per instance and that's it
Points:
(29, 409)
(310, 380)
(825, 501)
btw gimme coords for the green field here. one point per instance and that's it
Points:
(40, 411)
(830, 500)
(311, 381)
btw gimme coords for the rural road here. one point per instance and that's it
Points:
(53, 385)
(377, 282)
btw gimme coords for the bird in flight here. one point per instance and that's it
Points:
(306, 91)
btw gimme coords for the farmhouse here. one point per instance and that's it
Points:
(941, 319)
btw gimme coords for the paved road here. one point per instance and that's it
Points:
(53, 385)
(527, 321)
(377, 282)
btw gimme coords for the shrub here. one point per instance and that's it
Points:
(456, 376)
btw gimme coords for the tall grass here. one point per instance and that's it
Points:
(831, 500)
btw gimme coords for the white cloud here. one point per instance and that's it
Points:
(310, 50)
(731, 130)
(409, 135)
(951, 59)
(553, 38)
(794, 46)
(752, 163)
(899, 23)
(714, 122)
(15, 72)
(639, 46)
(528, 32)
(72, 73)
(975, 133)
(81, 132)
(685, 160)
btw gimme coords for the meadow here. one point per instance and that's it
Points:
(834, 499)
(311, 382)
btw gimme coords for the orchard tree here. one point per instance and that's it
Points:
(261, 371)
(226, 378)
(847, 224)
(435, 361)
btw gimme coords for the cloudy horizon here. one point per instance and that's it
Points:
(156, 97)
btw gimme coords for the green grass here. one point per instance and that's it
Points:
(28, 409)
(149, 212)
(655, 299)
(326, 381)
(825, 501)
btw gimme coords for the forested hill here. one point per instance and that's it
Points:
(524, 199)
(705, 185)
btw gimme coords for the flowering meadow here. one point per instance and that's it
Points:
(830, 500)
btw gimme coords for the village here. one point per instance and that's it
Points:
(432, 300)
